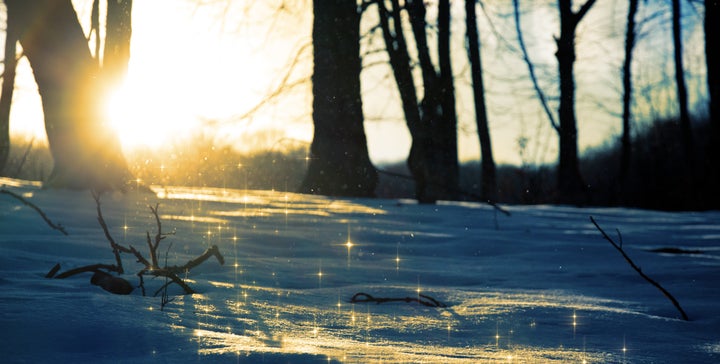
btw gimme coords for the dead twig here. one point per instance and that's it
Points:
(165, 297)
(422, 299)
(57, 227)
(638, 269)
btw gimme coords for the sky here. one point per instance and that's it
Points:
(206, 66)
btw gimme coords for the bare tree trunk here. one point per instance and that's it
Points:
(448, 123)
(712, 44)
(571, 187)
(118, 33)
(8, 87)
(397, 49)
(488, 185)
(433, 156)
(340, 164)
(85, 153)
(680, 81)
(627, 91)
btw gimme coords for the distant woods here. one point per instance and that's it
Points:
(671, 162)
(425, 83)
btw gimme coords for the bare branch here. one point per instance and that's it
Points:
(531, 68)
(210, 252)
(115, 247)
(583, 10)
(120, 286)
(638, 270)
(57, 227)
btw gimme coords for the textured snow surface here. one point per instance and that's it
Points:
(538, 286)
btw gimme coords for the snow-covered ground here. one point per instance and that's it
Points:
(538, 286)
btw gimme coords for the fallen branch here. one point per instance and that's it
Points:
(105, 280)
(422, 299)
(152, 267)
(57, 227)
(637, 269)
(100, 277)
(88, 268)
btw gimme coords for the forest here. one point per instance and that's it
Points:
(664, 156)
(355, 181)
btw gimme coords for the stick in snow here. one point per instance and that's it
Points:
(637, 269)
(422, 299)
(57, 227)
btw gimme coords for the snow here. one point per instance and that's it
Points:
(540, 285)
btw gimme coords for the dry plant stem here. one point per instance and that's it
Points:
(158, 237)
(57, 227)
(637, 269)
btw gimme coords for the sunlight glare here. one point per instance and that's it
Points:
(141, 116)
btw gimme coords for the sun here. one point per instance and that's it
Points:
(180, 74)
(146, 115)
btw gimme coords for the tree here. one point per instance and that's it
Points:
(432, 122)
(712, 44)
(86, 153)
(339, 164)
(680, 80)
(434, 158)
(488, 184)
(8, 86)
(627, 90)
(118, 32)
(571, 187)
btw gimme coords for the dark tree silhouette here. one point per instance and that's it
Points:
(680, 80)
(340, 164)
(8, 86)
(433, 159)
(118, 32)
(85, 153)
(627, 90)
(433, 121)
(571, 187)
(488, 185)
(401, 63)
(712, 44)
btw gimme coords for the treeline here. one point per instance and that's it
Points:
(413, 39)
(416, 46)
(660, 179)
